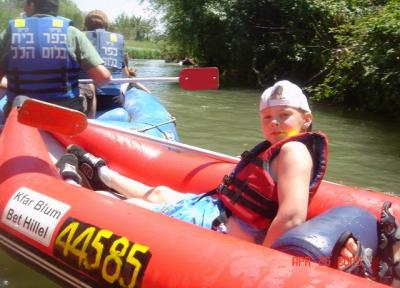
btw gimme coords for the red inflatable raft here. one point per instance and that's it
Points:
(87, 239)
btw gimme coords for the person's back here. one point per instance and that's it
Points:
(52, 74)
(110, 47)
(41, 56)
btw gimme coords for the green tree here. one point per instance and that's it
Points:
(364, 70)
(9, 10)
(68, 9)
(347, 49)
(269, 39)
(134, 28)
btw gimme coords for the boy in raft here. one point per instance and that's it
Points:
(267, 193)
(287, 161)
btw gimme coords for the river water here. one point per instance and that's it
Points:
(363, 150)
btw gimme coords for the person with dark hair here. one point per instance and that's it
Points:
(111, 48)
(41, 56)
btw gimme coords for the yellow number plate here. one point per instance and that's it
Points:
(102, 254)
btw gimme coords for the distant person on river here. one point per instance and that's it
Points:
(41, 56)
(111, 48)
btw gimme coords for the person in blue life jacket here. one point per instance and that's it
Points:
(41, 56)
(272, 184)
(111, 48)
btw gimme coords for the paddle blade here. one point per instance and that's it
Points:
(52, 118)
(204, 78)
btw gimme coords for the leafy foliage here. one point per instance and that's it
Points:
(364, 72)
(344, 50)
(68, 9)
(285, 38)
(135, 28)
(9, 9)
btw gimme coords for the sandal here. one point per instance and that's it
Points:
(67, 166)
(389, 235)
(362, 264)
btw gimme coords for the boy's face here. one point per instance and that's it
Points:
(280, 122)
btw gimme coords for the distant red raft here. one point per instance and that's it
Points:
(86, 239)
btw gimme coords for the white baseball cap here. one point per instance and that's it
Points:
(284, 93)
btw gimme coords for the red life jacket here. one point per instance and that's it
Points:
(250, 193)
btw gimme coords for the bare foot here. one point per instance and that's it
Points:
(348, 254)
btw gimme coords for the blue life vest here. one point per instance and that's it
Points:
(111, 49)
(39, 64)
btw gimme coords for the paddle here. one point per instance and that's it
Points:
(51, 117)
(204, 78)
(69, 122)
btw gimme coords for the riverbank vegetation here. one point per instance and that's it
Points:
(143, 49)
(344, 51)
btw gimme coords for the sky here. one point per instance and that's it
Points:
(113, 8)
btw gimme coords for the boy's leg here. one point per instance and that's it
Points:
(102, 177)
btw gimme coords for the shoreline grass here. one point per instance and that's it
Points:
(142, 49)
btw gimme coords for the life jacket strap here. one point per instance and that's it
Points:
(269, 210)
(257, 197)
(18, 91)
(219, 223)
(16, 74)
(45, 71)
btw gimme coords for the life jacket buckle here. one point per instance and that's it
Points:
(231, 194)
(221, 188)
(235, 196)
(228, 179)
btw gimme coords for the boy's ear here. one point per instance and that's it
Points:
(307, 121)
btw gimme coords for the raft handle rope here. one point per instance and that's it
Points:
(172, 120)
